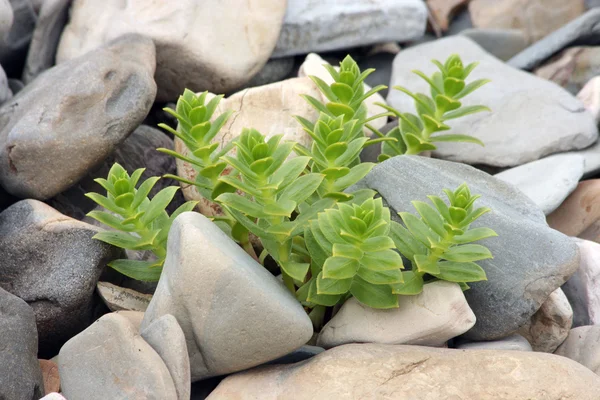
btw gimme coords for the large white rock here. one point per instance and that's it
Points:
(583, 346)
(583, 288)
(530, 116)
(512, 342)
(214, 45)
(321, 25)
(431, 318)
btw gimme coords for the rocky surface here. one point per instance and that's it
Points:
(579, 214)
(583, 345)
(501, 43)
(50, 375)
(572, 68)
(117, 298)
(512, 342)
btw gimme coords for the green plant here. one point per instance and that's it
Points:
(138, 222)
(418, 133)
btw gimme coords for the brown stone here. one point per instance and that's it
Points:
(442, 11)
(50, 375)
(579, 214)
(572, 68)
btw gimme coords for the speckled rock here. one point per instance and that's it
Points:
(583, 288)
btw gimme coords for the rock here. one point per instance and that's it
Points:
(579, 214)
(583, 30)
(459, 23)
(322, 25)
(592, 3)
(530, 260)
(46, 35)
(134, 317)
(592, 159)
(582, 288)
(110, 360)
(303, 353)
(167, 339)
(590, 97)
(21, 377)
(431, 318)
(201, 389)
(550, 325)
(13, 49)
(117, 298)
(536, 18)
(229, 321)
(6, 19)
(512, 342)
(53, 396)
(442, 11)
(72, 117)
(583, 346)
(572, 68)
(501, 43)
(223, 54)
(548, 181)
(5, 90)
(382, 63)
(51, 261)
(549, 119)
(50, 376)
(275, 70)
(376, 371)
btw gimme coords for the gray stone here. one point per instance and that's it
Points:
(21, 377)
(73, 116)
(530, 116)
(583, 288)
(530, 259)
(512, 342)
(13, 49)
(591, 156)
(548, 181)
(430, 318)
(501, 43)
(376, 371)
(110, 360)
(5, 90)
(592, 3)
(51, 261)
(6, 18)
(42, 50)
(322, 25)
(582, 30)
(117, 298)
(239, 317)
(583, 345)
(167, 339)
(303, 353)
(276, 69)
(572, 68)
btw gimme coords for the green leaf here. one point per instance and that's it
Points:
(110, 220)
(249, 224)
(322, 299)
(142, 192)
(119, 239)
(347, 251)
(474, 215)
(332, 286)
(302, 188)
(405, 242)
(340, 268)
(289, 171)
(456, 138)
(377, 243)
(105, 202)
(471, 87)
(430, 217)
(413, 284)
(374, 296)
(242, 204)
(383, 260)
(474, 235)
(420, 231)
(356, 174)
(390, 277)
(158, 204)
(425, 265)
(467, 252)
(461, 112)
(148, 271)
(460, 272)
(317, 254)
(296, 270)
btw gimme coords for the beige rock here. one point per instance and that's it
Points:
(389, 372)
(550, 325)
(442, 11)
(512, 342)
(431, 318)
(134, 317)
(537, 18)
(214, 45)
(590, 97)
(50, 375)
(579, 213)
(117, 298)
(583, 346)
(583, 288)
(572, 68)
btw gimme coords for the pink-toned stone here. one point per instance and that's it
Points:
(590, 97)
(442, 11)
(583, 288)
(579, 213)
(50, 375)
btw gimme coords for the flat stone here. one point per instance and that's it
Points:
(442, 11)
(430, 318)
(53, 396)
(376, 371)
(582, 289)
(193, 50)
(21, 377)
(512, 342)
(550, 325)
(583, 30)
(51, 261)
(548, 181)
(590, 97)
(530, 260)
(6, 18)
(13, 48)
(501, 43)
(530, 117)
(583, 346)
(50, 376)
(579, 214)
(323, 25)
(241, 316)
(53, 132)
(571, 68)
(110, 360)
(117, 298)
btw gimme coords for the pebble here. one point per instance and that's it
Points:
(512, 342)
(117, 298)
(501, 43)
(583, 345)
(572, 68)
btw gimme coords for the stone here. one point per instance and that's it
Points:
(539, 261)
(571, 68)
(536, 18)
(53, 132)
(53, 396)
(592, 159)
(376, 371)
(442, 11)
(134, 317)
(530, 117)
(21, 377)
(323, 25)
(5, 90)
(584, 30)
(431, 318)
(592, 3)
(303, 353)
(13, 48)
(50, 376)
(275, 70)
(167, 339)
(550, 325)
(582, 288)
(382, 63)
(462, 21)
(241, 316)
(46, 35)
(512, 342)
(110, 360)
(590, 97)
(583, 345)
(579, 214)
(117, 298)
(547, 181)
(501, 43)
(6, 18)
(51, 261)
(192, 51)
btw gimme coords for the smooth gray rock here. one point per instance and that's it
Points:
(548, 181)
(512, 342)
(21, 377)
(239, 316)
(6, 18)
(323, 25)
(110, 360)
(54, 131)
(501, 43)
(584, 30)
(592, 3)
(5, 90)
(13, 49)
(583, 288)
(303, 353)
(530, 116)
(530, 259)
(583, 345)
(51, 261)
(42, 50)
(167, 339)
